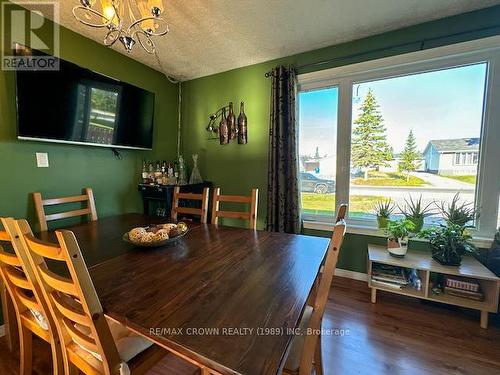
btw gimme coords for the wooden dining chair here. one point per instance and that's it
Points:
(40, 204)
(250, 216)
(305, 349)
(90, 342)
(341, 212)
(202, 211)
(32, 313)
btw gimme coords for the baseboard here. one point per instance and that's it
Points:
(351, 274)
(2, 330)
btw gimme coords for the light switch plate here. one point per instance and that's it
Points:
(42, 160)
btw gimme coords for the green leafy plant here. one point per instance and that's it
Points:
(449, 243)
(416, 212)
(458, 213)
(398, 229)
(384, 208)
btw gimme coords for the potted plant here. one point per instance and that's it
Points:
(416, 212)
(458, 213)
(383, 210)
(449, 243)
(398, 232)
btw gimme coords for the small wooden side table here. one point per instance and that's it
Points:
(425, 265)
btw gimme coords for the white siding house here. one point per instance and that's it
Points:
(452, 156)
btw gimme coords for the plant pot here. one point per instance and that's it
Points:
(418, 222)
(397, 248)
(382, 222)
(446, 257)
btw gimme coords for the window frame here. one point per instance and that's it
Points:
(485, 50)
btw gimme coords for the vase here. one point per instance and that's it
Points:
(397, 248)
(418, 222)
(195, 174)
(382, 222)
(446, 257)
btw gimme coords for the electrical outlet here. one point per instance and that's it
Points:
(42, 160)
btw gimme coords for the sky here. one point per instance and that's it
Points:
(435, 105)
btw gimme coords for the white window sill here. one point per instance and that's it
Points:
(480, 242)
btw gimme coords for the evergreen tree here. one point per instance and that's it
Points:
(370, 149)
(409, 156)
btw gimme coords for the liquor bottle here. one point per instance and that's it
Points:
(164, 180)
(158, 174)
(182, 171)
(151, 174)
(231, 123)
(144, 174)
(242, 125)
(223, 129)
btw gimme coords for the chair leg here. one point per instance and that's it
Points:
(25, 350)
(318, 360)
(57, 358)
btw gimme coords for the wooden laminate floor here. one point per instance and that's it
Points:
(398, 335)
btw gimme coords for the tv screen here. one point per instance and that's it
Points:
(77, 105)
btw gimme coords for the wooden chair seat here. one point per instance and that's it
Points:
(128, 344)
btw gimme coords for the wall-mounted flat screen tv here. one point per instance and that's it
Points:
(79, 106)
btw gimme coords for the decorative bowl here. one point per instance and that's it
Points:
(166, 242)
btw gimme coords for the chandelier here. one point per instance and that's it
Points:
(129, 21)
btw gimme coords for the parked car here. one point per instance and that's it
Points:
(314, 184)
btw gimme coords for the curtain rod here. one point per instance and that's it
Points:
(421, 43)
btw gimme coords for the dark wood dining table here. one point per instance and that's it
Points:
(227, 299)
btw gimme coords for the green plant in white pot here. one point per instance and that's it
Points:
(398, 232)
(383, 210)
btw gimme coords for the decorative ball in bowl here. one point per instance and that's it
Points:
(156, 235)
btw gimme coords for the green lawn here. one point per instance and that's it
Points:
(388, 179)
(469, 179)
(313, 203)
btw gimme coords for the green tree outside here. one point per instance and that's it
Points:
(409, 156)
(370, 149)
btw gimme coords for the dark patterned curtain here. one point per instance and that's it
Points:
(283, 203)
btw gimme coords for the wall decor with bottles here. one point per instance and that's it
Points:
(228, 128)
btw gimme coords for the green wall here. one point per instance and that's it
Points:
(238, 168)
(74, 167)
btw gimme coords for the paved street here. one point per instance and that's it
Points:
(439, 189)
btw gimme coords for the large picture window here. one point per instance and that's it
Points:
(421, 126)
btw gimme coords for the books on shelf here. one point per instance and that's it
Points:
(476, 296)
(462, 283)
(389, 276)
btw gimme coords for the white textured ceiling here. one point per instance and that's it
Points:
(212, 36)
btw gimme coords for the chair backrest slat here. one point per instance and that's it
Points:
(40, 204)
(250, 216)
(202, 198)
(73, 303)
